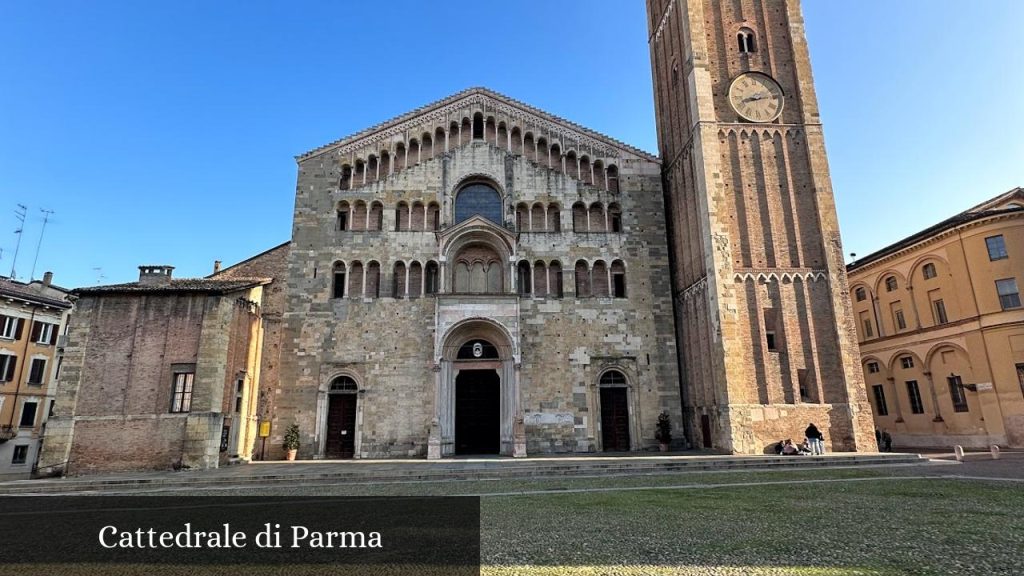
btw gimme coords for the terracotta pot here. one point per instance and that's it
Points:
(663, 446)
(290, 455)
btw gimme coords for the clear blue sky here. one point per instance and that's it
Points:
(165, 132)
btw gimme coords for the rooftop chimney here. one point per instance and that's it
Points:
(216, 266)
(155, 275)
(47, 278)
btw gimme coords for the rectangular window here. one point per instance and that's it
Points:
(44, 333)
(769, 329)
(28, 414)
(901, 322)
(801, 378)
(339, 285)
(939, 308)
(907, 362)
(20, 454)
(181, 396)
(873, 367)
(880, 406)
(916, 406)
(1009, 297)
(239, 388)
(996, 247)
(869, 332)
(37, 373)
(7, 364)
(956, 392)
(10, 327)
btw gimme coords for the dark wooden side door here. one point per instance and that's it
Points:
(341, 426)
(705, 430)
(614, 420)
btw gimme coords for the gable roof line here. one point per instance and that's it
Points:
(470, 92)
(247, 260)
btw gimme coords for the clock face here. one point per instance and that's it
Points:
(756, 97)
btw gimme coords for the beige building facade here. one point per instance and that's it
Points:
(941, 329)
(33, 318)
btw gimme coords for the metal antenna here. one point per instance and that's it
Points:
(19, 213)
(99, 274)
(46, 218)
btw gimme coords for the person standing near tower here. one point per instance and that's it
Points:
(816, 439)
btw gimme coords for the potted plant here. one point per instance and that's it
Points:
(291, 441)
(664, 431)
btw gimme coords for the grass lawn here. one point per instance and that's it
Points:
(888, 526)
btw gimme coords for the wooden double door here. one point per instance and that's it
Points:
(341, 426)
(477, 412)
(614, 420)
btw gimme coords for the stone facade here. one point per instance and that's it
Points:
(562, 266)
(767, 340)
(158, 373)
(942, 350)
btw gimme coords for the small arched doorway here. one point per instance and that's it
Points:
(340, 437)
(614, 411)
(477, 398)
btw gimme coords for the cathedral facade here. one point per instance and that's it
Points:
(478, 277)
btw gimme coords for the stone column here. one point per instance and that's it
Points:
(935, 397)
(896, 396)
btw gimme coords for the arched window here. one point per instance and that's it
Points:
(373, 280)
(522, 217)
(582, 274)
(439, 142)
(523, 280)
(427, 150)
(415, 280)
(543, 154)
(372, 166)
(860, 294)
(579, 217)
(529, 147)
(555, 279)
(376, 216)
(346, 178)
(746, 42)
(537, 218)
(618, 279)
(414, 153)
(433, 216)
(491, 132)
(401, 159)
(465, 131)
(344, 216)
(399, 279)
(596, 221)
(613, 179)
(555, 154)
(419, 214)
(554, 220)
(585, 174)
(338, 281)
(344, 384)
(614, 218)
(359, 216)
(478, 198)
(401, 217)
(599, 279)
(360, 173)
(385, 163)
(517, 140)
(478, 126)
(891, 284)
(356, 281)
(572, 166)
(600, 179)
(540, 279)
(613, 378)
(928, 271)
(430, 283)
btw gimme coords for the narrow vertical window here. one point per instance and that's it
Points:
(7, 365)
(957, 394)
(181, 393)
(28, 414)
(1020, 377)
(745, 41)
(769, 330)
(940, 312)
(37, 372)
(338, 289)
(914, 394)
(880, 406)
(901, 322)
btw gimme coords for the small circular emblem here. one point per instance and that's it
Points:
(478, 349)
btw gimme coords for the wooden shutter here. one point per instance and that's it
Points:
(37, 327)
(17, 331)
(53, 334)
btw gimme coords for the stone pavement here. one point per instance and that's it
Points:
(342, 471)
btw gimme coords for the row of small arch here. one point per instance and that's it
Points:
(410, 280)
(427, 146)
(925, 365)
(891, 280)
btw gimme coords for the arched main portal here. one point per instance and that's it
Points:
(477, 398)
(614, 391)
(340, 407)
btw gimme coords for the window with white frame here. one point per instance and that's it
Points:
(37, 372)
(7, 365)
(181, 393)
(44, 333)
(1009, 296)
(9, 327)
(907, 362)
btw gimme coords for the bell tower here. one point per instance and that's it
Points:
(766, 335)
